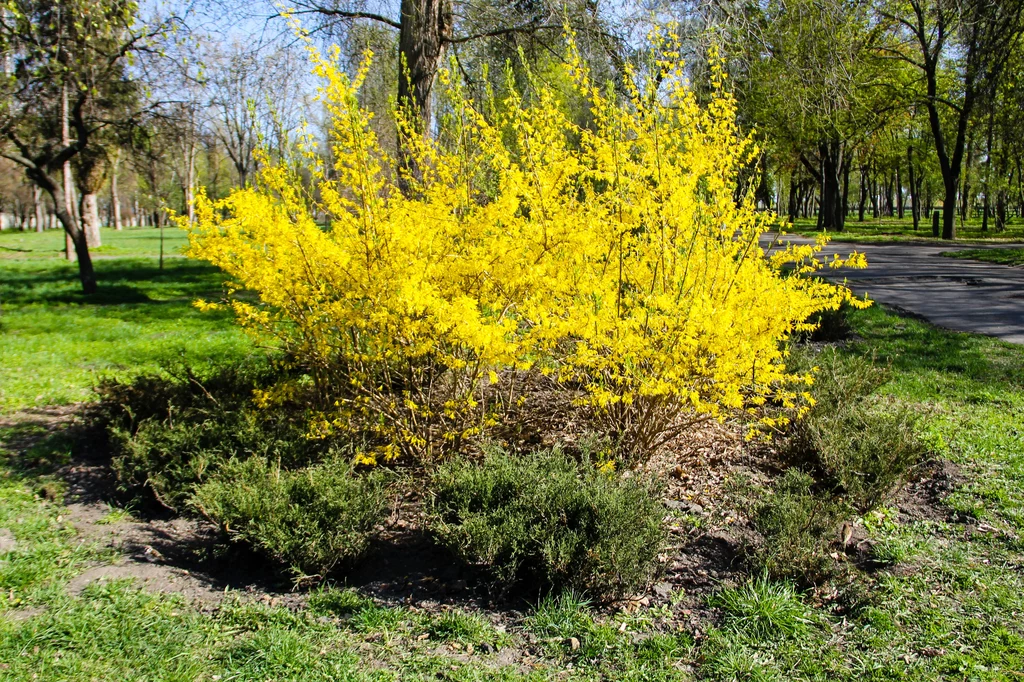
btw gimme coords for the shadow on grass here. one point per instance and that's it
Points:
(120, 282)
(913, 346)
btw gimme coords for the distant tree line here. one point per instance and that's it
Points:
(863, 108)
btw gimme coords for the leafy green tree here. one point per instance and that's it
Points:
(809, 80)
(960, 49)
(67, 72)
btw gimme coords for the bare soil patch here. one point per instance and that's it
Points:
(921, 499)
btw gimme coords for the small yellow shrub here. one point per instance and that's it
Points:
(616, 258)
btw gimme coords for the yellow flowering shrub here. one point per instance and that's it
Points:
(618, 258)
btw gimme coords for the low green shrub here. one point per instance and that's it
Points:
(797, 525)
(832, 325)
(546, 519)
(170, 433)
(858, 445)
(310, 519)
(866, 450)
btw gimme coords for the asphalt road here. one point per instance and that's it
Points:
(964, 295)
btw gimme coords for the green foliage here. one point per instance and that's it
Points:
(310, 519)
(546, 519)
(764, 608)
(860, 446)
(169, 434)
(1006, 256)
(797, 525)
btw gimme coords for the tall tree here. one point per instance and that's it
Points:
(73, 51)
(960, 48)
(808, 79)
(427, 29)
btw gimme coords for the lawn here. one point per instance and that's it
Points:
(136, 241)
(999, 256)
(942, 602)
(57, 342)
(880, 230)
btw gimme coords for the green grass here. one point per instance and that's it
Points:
(131, 242)
(55, 342)
(945, 604)
(764, 608)
(1007, 256)
(882, 230)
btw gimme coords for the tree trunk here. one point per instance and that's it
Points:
(190, 181)
(89, 209)
(72, 228)
(965, 198)
(846, 195)
(794, 198)
(425, 27)
(915, 197)
(37, 199)
(899, 194)
(949, 165)
(115, 197)
(874, 195)
(950, 184)
(70, 248)
(77, 237)
(863, 193)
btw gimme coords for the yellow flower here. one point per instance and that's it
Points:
(619, 256)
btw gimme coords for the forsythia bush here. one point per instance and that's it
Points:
(614, 257)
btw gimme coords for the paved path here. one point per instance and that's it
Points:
(957, 294)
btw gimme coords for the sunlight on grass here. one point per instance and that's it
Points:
(57, 342)
(999, 256)
(131, 242)
(896, 230)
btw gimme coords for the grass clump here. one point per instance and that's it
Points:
(561, 616)
(339, 603)
(458, 626)
(763, 608)
(310, 519)
(546, 519)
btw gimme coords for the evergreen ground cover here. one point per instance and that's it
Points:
(937, 594)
